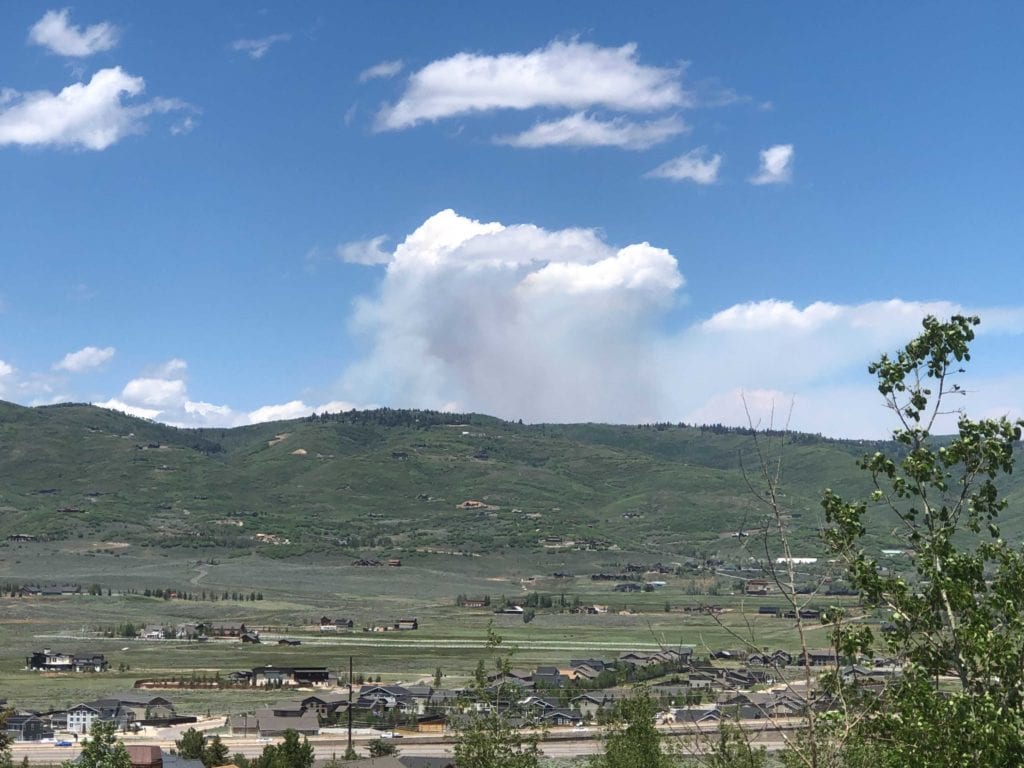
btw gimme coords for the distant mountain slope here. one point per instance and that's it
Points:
(398, 479)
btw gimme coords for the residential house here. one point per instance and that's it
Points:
(224, 630)
(327, 624)
(52, 661)
(562, 717)
(550, 677)
(325, 704)
(823, 657)
(151, 756)
(145, 756)
(140, 706)
(695, 715)
(27, 728)
(269, 724)
(428, 698)
(81, 717)
(431, 723)
(269, 675)
(385, 698)
(50, 590)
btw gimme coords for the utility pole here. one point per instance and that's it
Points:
(349, 705)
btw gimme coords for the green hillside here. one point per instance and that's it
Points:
(391, 481)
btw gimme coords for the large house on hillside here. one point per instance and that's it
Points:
(55, 661)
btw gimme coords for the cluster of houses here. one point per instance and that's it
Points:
(126, 710)
(688, 690)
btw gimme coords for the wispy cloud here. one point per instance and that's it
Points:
(55, 32)
(91, 115)
(365, 251)
(384, 70)
(583, 130)
(569, 74)
(184, 126)
(84, 359)
(696, 166)
(776, 165)
(257, 48)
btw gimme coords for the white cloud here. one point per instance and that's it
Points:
(695, 166)
(365, 251)
(295, 409)
(385, 69)
(776, 165)
(516, 320)
(184, 126)
(257, 48)
(54, 31)
(157, 393)
(570, 75)
(6, 369)
(582, 130)
(161, 394)
(132, 410)
(173, 368)
(90, 115)
(84, 359)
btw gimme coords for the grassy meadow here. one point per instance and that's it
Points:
(297, 591)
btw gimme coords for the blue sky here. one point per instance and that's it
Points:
(213, 214)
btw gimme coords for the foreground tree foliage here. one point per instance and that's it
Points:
(5, 739)
(957, 615)
(191, 744)
(101, 749)
(381, 748)
(632, 739)
(216, 753)
(290, 753)
(487, 739)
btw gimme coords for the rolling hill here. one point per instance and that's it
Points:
(394, 480)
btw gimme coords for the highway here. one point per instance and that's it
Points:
(558, 742)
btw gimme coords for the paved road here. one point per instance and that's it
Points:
(559, 743)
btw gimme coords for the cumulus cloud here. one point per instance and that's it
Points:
(582, 130)
(6, 369)
(569, 74)
(383, 70)
(292, 410)
(84, 359)
(257, 48)
(365, 251)
(776, 165)
(91, 115)
(696, 166)
(162, 393)
(560, 325)
(512, 319)
(55, 32)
